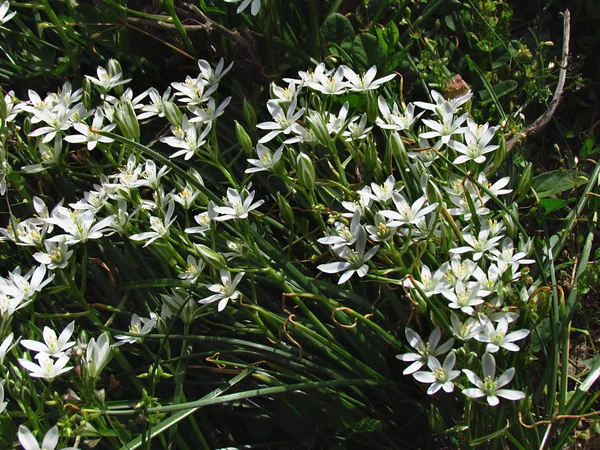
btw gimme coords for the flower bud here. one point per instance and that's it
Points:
(398, 149)
(525, 181)
(173, 114)
(319, 127)
(305, 171)
(87, 94)
(211, 257)
(285, 210)
(113, 69)
(243, 138)
(500, 153)
(249, 114)
(3, 112)
(511, 228)
(432, 191)
(372, 162)
(372, 106)
(419, 303)
(127, 121)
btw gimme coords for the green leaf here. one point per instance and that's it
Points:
(367, 52)
(555, 182)
(335, 28)
(552, 204)
(500, 89)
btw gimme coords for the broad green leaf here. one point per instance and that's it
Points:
(335, 28)
(367, 52)
(553, 204)
(555, 182)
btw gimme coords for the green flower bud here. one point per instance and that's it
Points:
(398, 149)
(87, 94)
(114, 68)
(372, 162)
(432, 191)
(243, 138)
(3, 112)
(212, 258)
(372, 106)
(419, 303)
(511, 228)
(525, 181)
(319, 126)
(285, 210)
(127, 121)
(249, 114)
(500, 153)
(173, 114)
(305, 171)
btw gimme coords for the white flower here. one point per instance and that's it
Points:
(57, 254)
(204, 220)
(151, 176)
(79, 226)
(210, 112)
(354, 260)
(158, 104)
(189, 138)
(25, 287)
(382, 230)
(431, 284)
(448, 127)
(329, 84)
(48, 368)
(365, 82)
(4, 17)
(343, 235)
(479, 246)
(6, 346)
(224, 291)
(97, 355)
(50, 441)
(107, 81)
(89, 134)
(497, 337)
(52, 345)
(357, 131)
(464, 297)
(193, 269)
(183, 305)
(440, 376)
(490, 387)
(473, 149)
(213, 77)
(424, 349)
(138, 325)
(441, 103)
(464, 330)
(237, 207)
(283, 121)
(2, 402)
(254, 6)
(160, 228)
(266, 160)
(382, 193)
(186, 196)
(406, 213)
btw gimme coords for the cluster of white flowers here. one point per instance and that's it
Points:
(388, 218)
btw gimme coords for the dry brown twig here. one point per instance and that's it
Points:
(545, 118)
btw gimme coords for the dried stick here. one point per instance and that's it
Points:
(543, 120)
